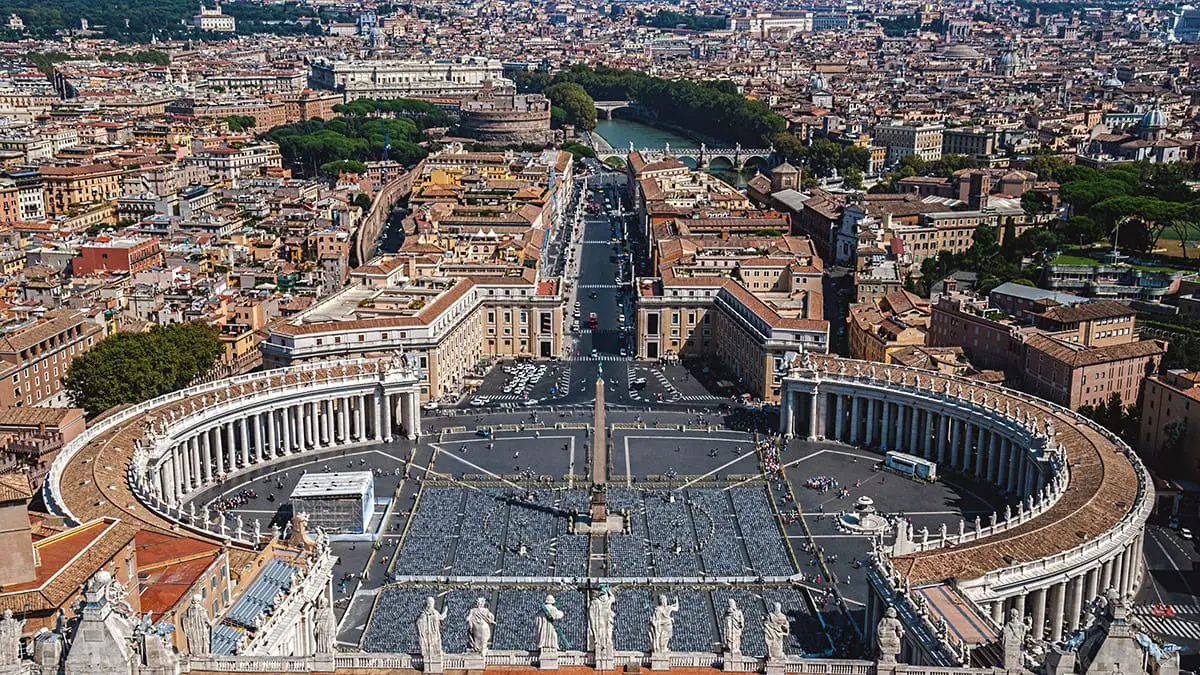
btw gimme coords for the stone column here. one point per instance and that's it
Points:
(993, 456)
(206, 460)
(813, 405)
(786, 422)
(1038, 598)
(855, 416)
(271, 447)
(286, 426)
(914, 430)
(1092, 584)
(163, 481)
(414, 405)
(982, 458)
(1057, 607)
(230, 447)
(1074, 602)
(326, 414)
(943, 441)
(998, 612)
(385, 413)
(378, 406)
(191, 450)
(839, 425)
(1019, 605)
(927, 444)
(872, 405)
(360, 418)
(245, 433)
(343, 415)
(955, 456)
(1106, 574)
(885, 429)
(1014, 466)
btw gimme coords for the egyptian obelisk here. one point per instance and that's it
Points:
(599, 508)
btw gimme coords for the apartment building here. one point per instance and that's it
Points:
(451, 323)
(887, 324)
(901, 140)
(36, 354)
(1073, 375)
(108, 254)
(1171, 415)
(1073, 355)
(69, 187)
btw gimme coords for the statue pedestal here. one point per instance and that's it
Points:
(433, 666)
(738, 663)
(473, 661)
(776, 668)
(604, 661)
(548, 659)
(660, 661)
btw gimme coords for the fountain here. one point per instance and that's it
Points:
(864, 519)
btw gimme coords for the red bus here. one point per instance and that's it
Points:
(592, 320)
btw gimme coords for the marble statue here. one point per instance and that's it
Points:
(480, 622)
(429, 631)
(734, 623)
(1012, 638)
(600, 620)
(10, 639)
(889, 636)
(196, 627)
(662, 625)
(323, 626)
(547, 632)
(776, 629)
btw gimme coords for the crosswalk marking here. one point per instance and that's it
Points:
(598, 286)
(1188, 608)
(701, 397)
(602, 357)
(1174, 627)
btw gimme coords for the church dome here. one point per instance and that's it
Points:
(961, 53)
(1154, 119)
(1009, 58)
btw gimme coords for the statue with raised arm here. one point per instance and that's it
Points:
(480, 622)
(547, 631)
(662, 625)
(776, 629)
(196, 627)
(600, 620)
(429, 631)
(734, 624)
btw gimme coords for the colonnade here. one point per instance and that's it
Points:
(214, 448)
(982, 447)
(974, 436)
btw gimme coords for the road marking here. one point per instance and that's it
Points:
(1174, 565)
(723, 466)
(764, 474)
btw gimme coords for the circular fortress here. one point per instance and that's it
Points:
(504, 118)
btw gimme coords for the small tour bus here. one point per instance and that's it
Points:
(908, 465)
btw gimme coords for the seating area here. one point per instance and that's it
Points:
(704, 531)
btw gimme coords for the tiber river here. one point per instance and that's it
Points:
(619, 132)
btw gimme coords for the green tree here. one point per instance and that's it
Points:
(134, 367)
(580, 109)
(334, 168)
(1035, 203)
